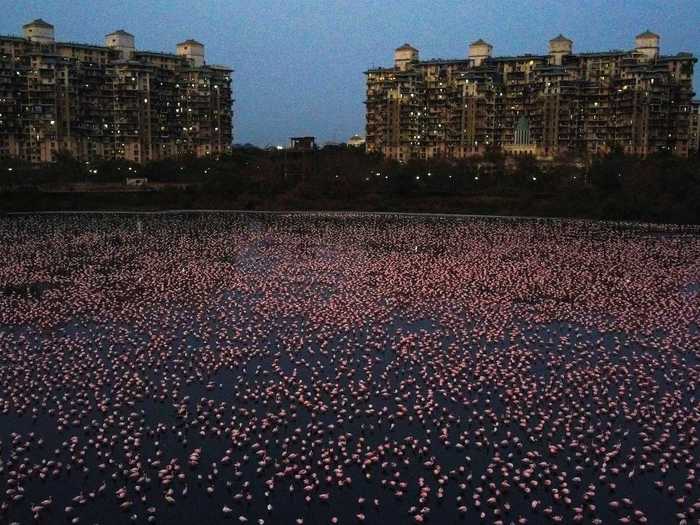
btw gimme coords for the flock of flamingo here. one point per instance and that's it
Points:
(344, 369)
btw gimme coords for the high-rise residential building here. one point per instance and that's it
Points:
(694, 145)
(109, 101)
(556, 104)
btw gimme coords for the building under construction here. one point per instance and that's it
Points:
(554, 105)
(109, 101)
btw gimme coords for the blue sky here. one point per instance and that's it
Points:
(299, 63)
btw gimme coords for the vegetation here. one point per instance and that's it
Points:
(656, 189)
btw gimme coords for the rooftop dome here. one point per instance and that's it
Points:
(561, 38)
(121, 32)
(190, 42)
(648, 34)
(38, 23)
(523, 123)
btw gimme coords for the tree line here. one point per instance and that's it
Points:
(659, 188)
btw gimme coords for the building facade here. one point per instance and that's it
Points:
(557, 104)
(109, 101)
(695, 128)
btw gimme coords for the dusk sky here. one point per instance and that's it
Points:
(299, 63)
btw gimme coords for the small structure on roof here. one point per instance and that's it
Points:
(479, 51)
(39, 31)
(193, 50)
(648, 44)
(404, 56)
(121, 41)
(559, 47)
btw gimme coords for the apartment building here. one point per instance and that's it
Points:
(695, 128)
(109, 101)
(556, 104)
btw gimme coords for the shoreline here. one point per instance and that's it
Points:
(360, 213)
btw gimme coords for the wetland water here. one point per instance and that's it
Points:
(289, 369)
